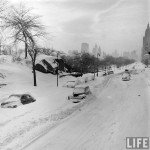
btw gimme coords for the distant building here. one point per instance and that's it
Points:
(131, 55)
(96, 51)
(126, 54)
(84, 48)
(103, 55)
(134, 55)
(146, 45)
(115, 54)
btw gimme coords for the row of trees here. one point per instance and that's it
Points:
(87, 63)
(24, 27)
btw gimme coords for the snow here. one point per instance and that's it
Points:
(49, 59)
(121, 110)
(48, 97)
(21, 125)
(50, 100)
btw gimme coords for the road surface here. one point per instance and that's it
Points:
(120, 111)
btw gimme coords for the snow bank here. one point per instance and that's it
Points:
(5, 59)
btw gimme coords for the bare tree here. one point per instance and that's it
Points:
(21, 20)
(26, 28)
(33, 51)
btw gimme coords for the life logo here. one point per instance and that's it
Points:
(137, 143)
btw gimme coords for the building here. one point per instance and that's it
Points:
(115, 54)
(131, 55)
(84, 48)
(96, 51)
(126, 54)
(134, 55)
(146, 45)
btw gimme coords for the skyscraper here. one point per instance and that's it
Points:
(84, 48)
(146, 44)
(96, 50)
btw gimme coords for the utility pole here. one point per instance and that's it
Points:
(97, 65)
(94, 67)
(57, 69)
(81, 63)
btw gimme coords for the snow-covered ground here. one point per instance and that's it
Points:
(51, 102)
(23, 124)
(120, 111)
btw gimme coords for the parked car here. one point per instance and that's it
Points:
(105, 74)
(79, 93)
(70, 84)
(110, 72)
(16, 100)
(126, 77)
(76, 74)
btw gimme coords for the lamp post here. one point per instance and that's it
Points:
(94, 67)
(97, 63)
(57, 69)
(81, 63)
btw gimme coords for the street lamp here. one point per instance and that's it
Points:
(94, 66)
(57, 69)
(81, 63)
(58, 66)
(97, 63)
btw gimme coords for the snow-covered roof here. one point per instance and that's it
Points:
(49, 59)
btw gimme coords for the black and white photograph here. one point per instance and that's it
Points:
(74, 74)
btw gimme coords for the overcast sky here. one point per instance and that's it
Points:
(113, 24)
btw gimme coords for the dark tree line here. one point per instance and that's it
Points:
(86, 63)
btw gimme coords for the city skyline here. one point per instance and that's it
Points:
(113, 24)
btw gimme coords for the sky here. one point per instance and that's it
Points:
(112, 24)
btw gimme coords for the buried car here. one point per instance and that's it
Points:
(126, 77)
(16, 100)
(70, 84)
(79, 93)
(110, 72)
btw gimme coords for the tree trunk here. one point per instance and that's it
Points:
(34, 74)
(26, 50)
(26, 45)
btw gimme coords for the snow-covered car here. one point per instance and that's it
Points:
(16, 100)
(70, 84)
(110, 72)
(126, 77)
(105, 73)
(79, 93)
(76, 74)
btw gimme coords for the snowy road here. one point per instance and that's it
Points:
(120, 111)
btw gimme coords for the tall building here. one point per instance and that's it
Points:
(126, 54)
(146, 44)
(84, 48)
(96, 50)
(134, 55)
(115, 54)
